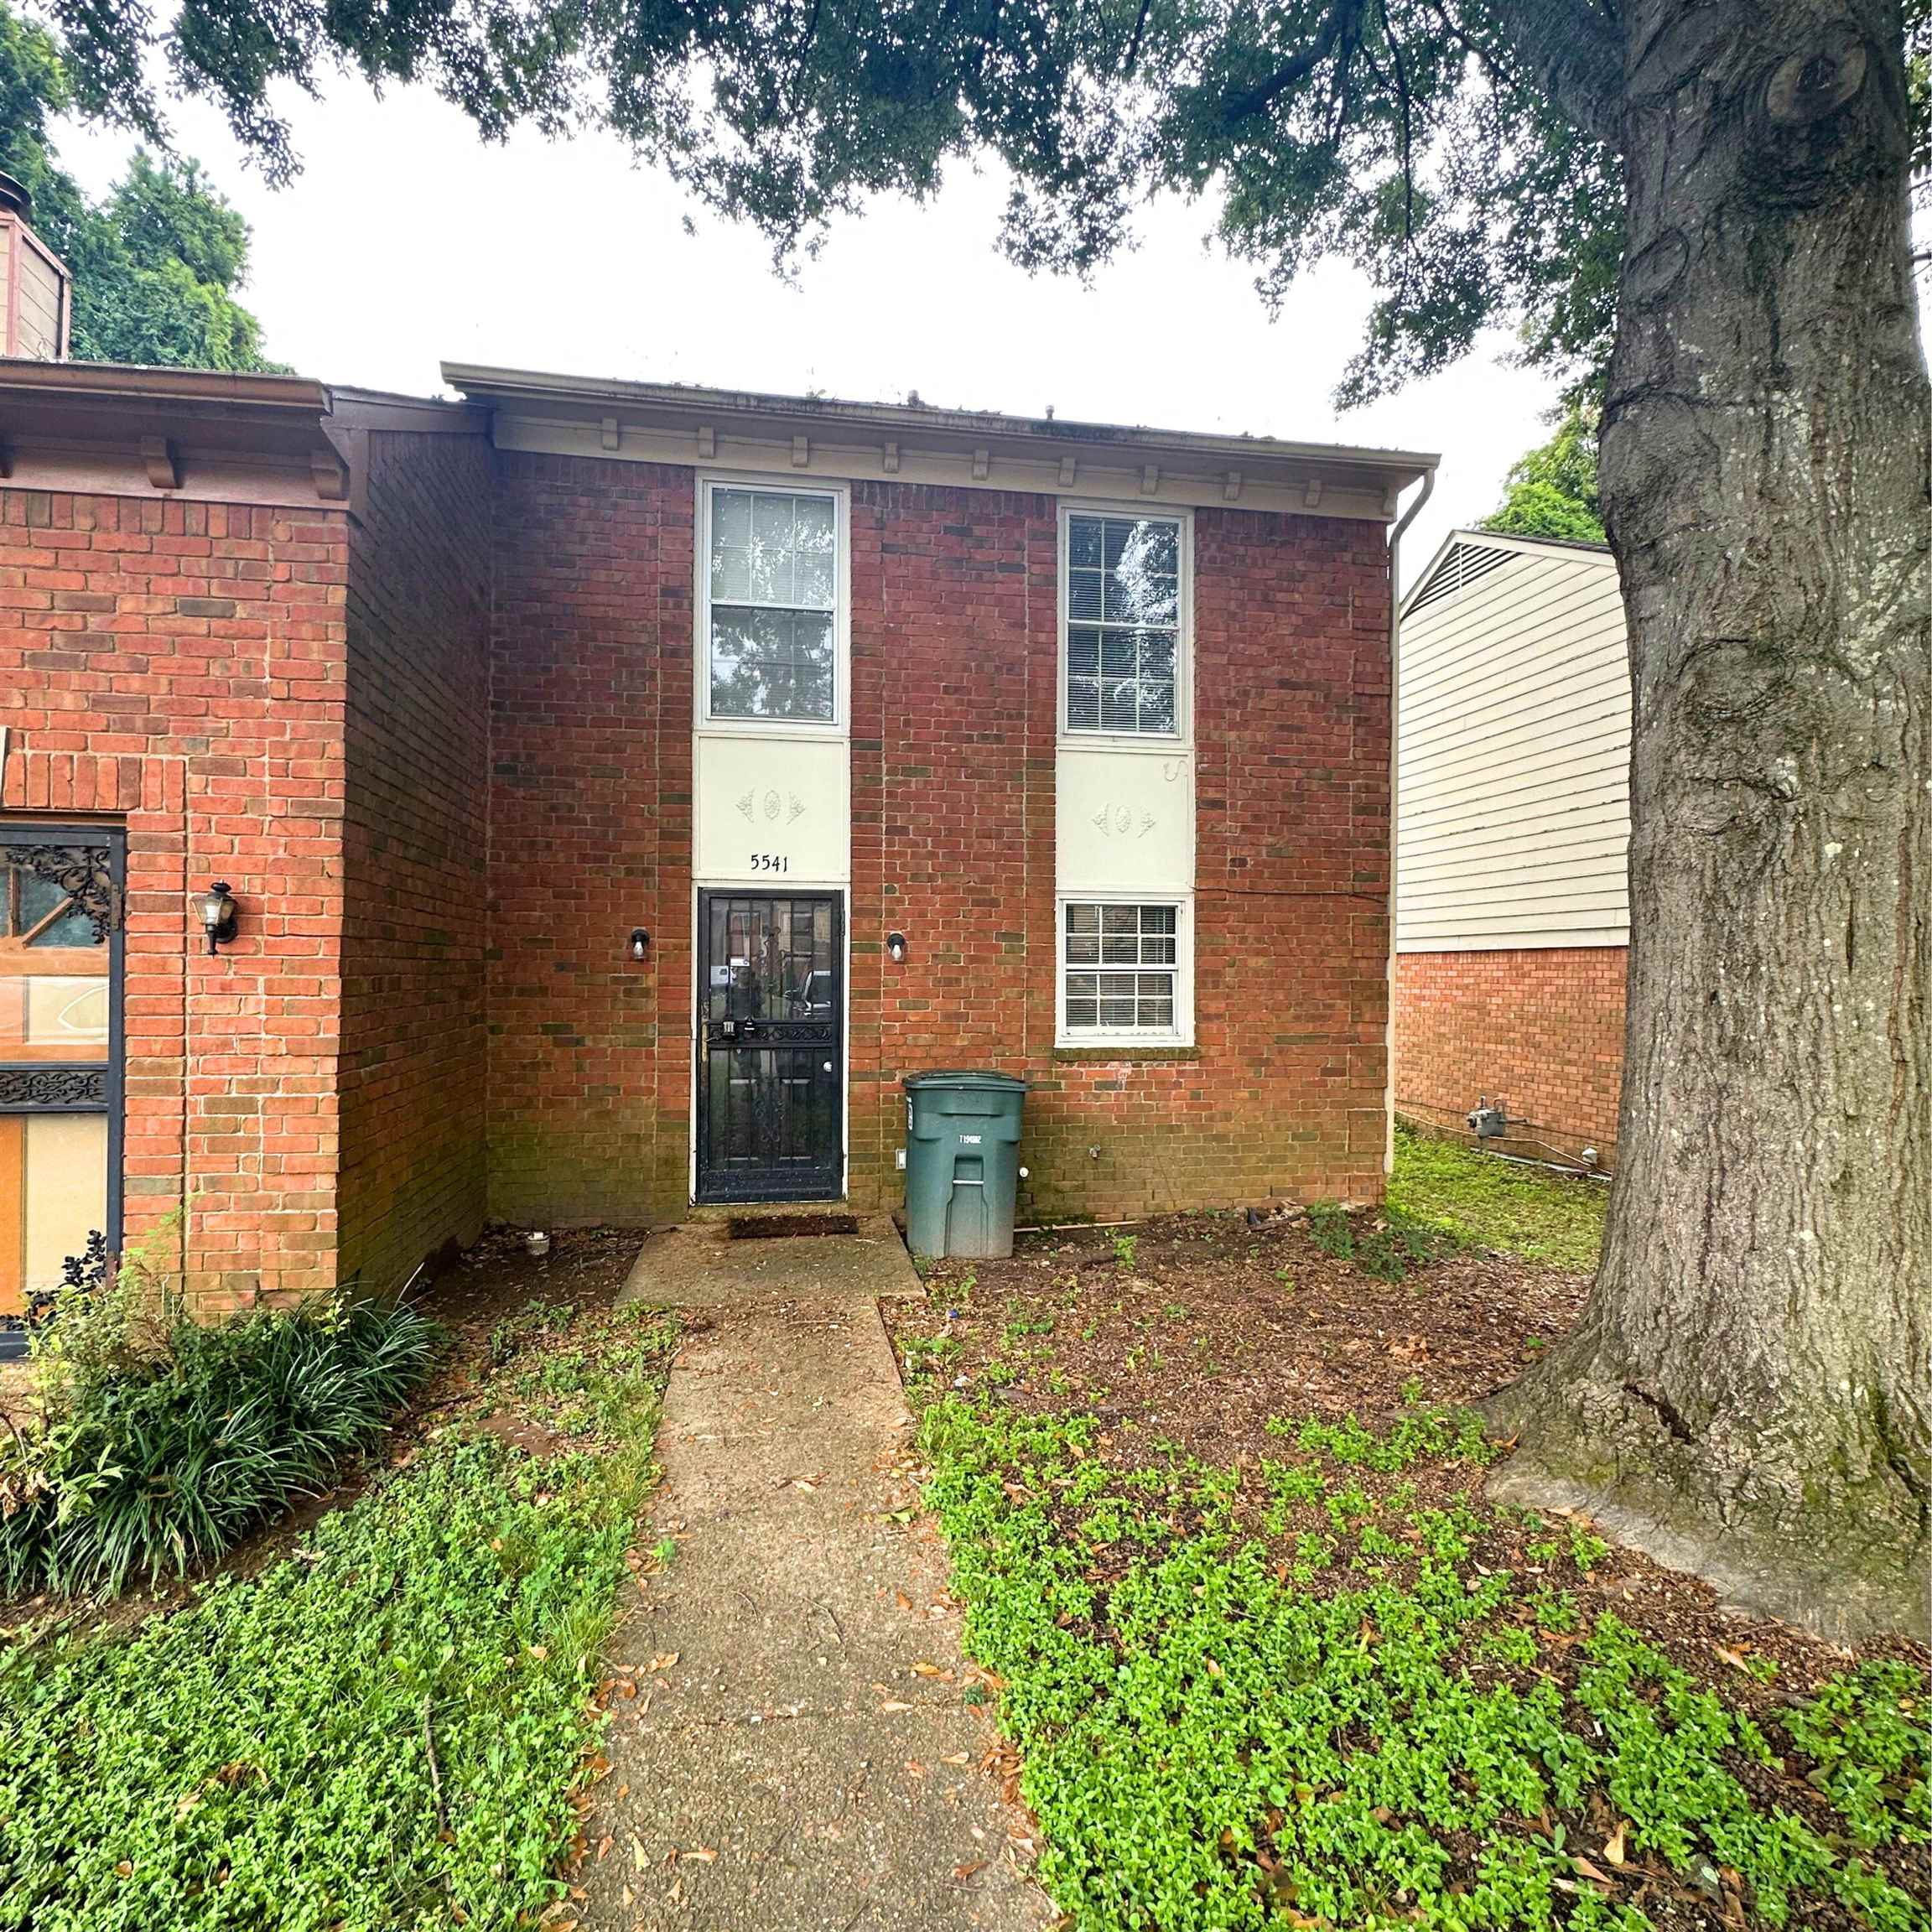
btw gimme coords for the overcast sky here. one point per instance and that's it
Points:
(407, 240)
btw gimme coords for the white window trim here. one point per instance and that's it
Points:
(839, 724)
(1181, 1033)
(1183, 738)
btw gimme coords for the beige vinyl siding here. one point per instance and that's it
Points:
(9, 236)
(1513, 762)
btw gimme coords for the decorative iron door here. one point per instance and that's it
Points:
(770, 1046)
(60, 964)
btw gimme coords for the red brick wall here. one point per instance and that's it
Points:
(414, 1047)
(955, 649)
(1539, 1029)
(1286, 1096)
(954, 693)
(261, 695)
(590, 835)
(180, 667)
(954, 600)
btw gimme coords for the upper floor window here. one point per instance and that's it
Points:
(771, 613)
(1125, 667)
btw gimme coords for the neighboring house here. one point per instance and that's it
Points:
(1512, 787)
(573, 755)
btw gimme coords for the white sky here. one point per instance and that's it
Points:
(407, 240)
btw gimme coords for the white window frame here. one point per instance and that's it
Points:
(1181, 1033)
(1182, 736)
(839, 725)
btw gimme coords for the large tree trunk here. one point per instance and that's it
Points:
(1749, 1393)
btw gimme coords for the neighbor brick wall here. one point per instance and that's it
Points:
(414, 1048)
(1538, 1030)
(590, 835)
(179, 668)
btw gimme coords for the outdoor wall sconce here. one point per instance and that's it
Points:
(217, 908)
(895, 945)
(640, 942)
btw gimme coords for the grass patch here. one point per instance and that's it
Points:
(1476, 1197)
(1335, 1691)
(383, 1731)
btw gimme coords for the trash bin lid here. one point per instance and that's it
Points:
(983, 1080)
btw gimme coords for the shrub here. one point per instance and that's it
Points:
(1385, 1246)
(151, 1460)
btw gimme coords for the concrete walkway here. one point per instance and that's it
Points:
(798, 1753)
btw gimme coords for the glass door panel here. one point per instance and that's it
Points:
(60, 959)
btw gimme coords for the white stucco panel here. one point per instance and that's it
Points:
(1125, 820)
(772, 811)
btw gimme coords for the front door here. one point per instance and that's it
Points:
(770, 1046)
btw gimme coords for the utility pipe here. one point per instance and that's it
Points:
(1407, 517)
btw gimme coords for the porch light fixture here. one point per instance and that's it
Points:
(895, 945)
(217, 909)
(640, 942)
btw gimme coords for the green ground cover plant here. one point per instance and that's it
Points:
(383, 1732)
(1386, 1243)
(1476, 1197)
(165, 1441)
(1337, 1691)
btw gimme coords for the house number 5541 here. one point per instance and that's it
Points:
(770, 862)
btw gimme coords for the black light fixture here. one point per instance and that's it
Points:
(217, 909)
(640, 942)
(895, 945)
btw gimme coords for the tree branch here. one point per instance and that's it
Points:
(1575, 52)
(1500, 75)
(1293, 72)
(1408, 129)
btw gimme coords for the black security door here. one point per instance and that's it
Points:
(771, 1087)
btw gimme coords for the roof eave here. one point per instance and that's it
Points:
(688, 408)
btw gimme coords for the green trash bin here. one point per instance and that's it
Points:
(962, 1161)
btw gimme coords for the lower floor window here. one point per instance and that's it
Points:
(1121, 971)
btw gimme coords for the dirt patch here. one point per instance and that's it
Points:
(788, 1227)
(1204, 1328)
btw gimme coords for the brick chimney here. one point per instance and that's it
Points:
(35, 298)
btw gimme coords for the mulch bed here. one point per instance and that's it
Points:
(1203, 1339)
(1220, 1326)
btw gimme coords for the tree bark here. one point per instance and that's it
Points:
(1749, 1393)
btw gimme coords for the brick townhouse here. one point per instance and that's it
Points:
(584, 799)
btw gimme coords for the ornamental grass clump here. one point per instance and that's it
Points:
(164, 1440)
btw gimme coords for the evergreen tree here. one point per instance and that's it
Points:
(1552, 491)
(155, 265)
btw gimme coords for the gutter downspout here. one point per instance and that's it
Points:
(1408, 517)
